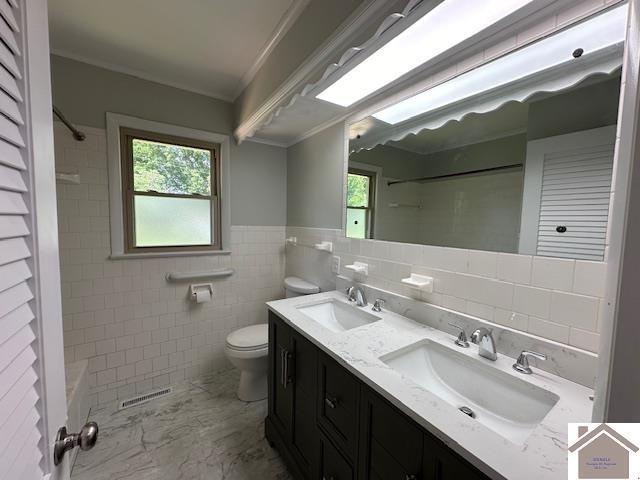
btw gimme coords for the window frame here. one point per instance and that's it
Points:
(370, 208)
(114, 162)
(127, 135)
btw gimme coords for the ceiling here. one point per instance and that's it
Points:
(206, 46)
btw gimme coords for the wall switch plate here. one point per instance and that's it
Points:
(335, 265)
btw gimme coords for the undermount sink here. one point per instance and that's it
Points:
(507, 405)
(338, 316)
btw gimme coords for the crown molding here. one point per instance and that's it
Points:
(286, 22)
(364, 16)
(139, 74)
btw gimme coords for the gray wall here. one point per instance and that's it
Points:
(85, 93)
(593, 106)
(259, 184)
(315, 171)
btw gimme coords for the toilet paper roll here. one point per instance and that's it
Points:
(203, 295)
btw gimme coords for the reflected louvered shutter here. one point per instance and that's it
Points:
(20, 453)
(574, 205)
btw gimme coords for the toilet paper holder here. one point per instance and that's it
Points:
(197, 286)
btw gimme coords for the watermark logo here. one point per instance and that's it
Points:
(604, 450)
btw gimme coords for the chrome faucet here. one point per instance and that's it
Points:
(522, 364)
(486, 344)
(356, 294)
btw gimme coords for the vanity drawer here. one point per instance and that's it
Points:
(338, 399)
(332, 464)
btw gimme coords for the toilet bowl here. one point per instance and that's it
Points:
(247, 349)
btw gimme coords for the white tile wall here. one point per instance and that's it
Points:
(557, 299)
(137, 331)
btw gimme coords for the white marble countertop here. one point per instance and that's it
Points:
(543, 454)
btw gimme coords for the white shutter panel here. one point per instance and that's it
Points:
(576, 187)
(20, 453)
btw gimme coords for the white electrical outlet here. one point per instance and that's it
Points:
(335, 265)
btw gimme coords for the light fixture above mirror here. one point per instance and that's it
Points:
(445, 26)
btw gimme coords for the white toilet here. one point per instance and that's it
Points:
(295, 287)
(248, 348)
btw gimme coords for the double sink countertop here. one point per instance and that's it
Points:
(541, 454)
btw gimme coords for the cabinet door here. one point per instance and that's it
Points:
(280, 388)
(338, 403)
(304, 435)
(333, 466)
(440, 463)
(390, 443)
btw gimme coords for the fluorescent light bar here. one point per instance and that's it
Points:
(448, 24)
(605, 30)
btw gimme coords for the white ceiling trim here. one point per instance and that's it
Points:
(363, 16)
(531, 17)
(286, 22)
(266, 141)
(139, 74)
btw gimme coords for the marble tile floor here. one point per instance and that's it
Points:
(200, 431)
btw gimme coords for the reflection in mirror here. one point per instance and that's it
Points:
(521, 165)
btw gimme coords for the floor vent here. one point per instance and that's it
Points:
(147, 397)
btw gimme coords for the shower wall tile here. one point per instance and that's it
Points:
(138, 331)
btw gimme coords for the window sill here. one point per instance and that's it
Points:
(137, 256)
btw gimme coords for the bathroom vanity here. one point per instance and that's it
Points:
(356, 394)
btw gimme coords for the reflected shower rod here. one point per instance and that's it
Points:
(459, 174)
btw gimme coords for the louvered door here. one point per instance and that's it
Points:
(31, 400)
(574, 202)
(567, 190)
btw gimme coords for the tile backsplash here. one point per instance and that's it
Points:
(556, 299)
(137, 331)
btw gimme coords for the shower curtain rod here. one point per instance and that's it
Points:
(471, 172)
(77, 134)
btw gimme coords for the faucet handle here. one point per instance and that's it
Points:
(377, 305)
(522, 364)
(461, 341)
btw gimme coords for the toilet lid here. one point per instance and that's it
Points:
(249, 338)
(299, 285)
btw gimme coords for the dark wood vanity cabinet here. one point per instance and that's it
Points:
(328, 425)
(291, 419)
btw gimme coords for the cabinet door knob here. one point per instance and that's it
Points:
(331, 402)
(411, 477)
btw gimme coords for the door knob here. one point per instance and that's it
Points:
(86, 440)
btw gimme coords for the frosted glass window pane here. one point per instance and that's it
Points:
(356, 223)
(163, 221)
(167, 168)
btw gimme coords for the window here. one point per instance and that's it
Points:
(170, 190)
(360, 201)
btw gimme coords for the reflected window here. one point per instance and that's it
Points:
(360, 203)
(171, 187)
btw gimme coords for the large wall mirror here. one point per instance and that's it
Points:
(514, 156)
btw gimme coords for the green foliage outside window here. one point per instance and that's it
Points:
(171, 168)
(357, 190)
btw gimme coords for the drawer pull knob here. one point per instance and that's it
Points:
(331, 402)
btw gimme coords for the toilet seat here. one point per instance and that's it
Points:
(249, 339)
